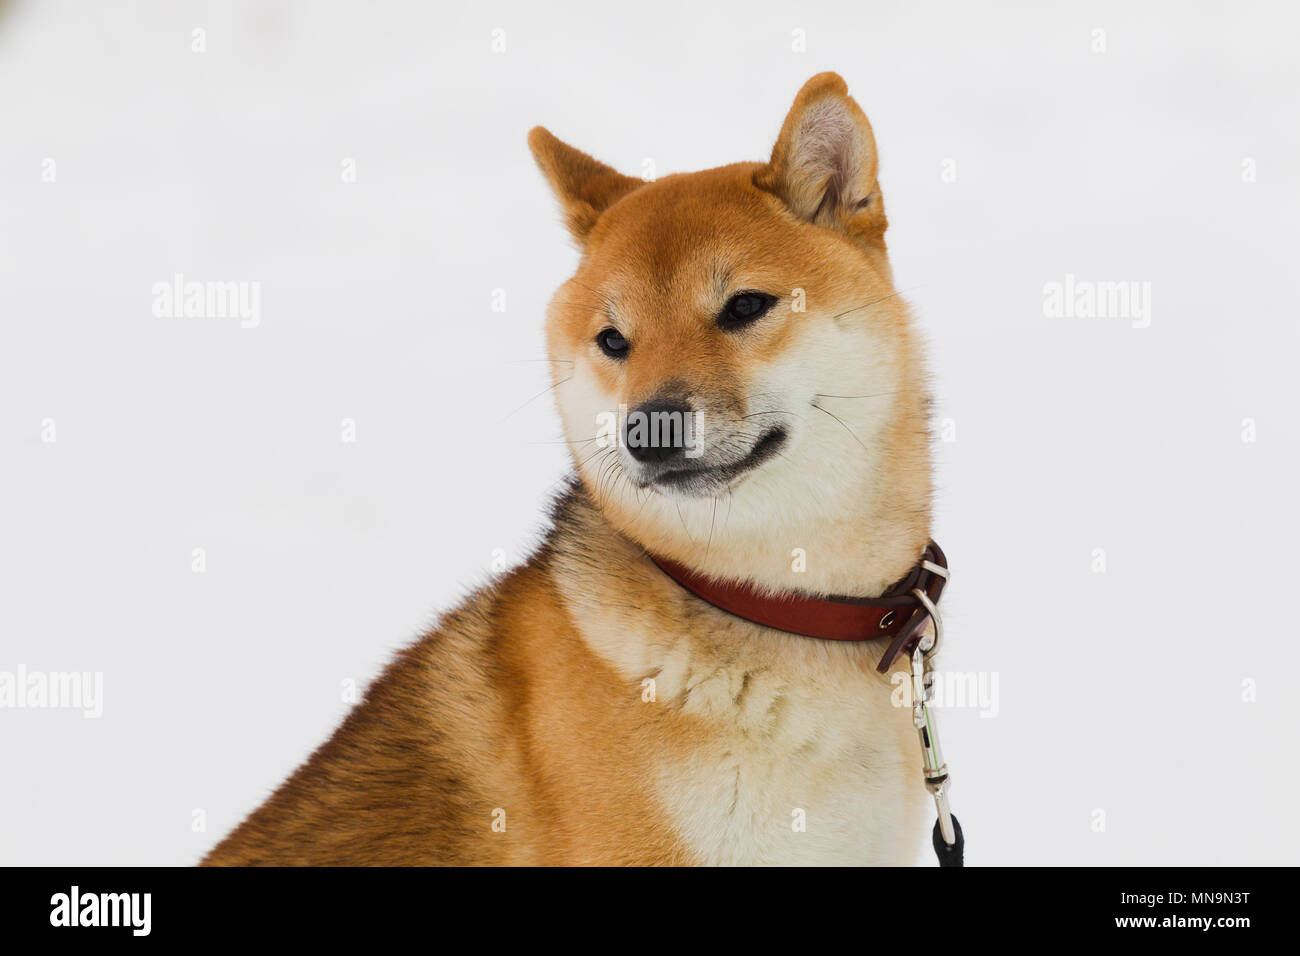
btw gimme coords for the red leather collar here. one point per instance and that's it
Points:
(897, 614)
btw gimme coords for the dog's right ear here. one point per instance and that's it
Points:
(585, 187)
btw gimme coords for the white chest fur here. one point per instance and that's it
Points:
(800, 768)
(795, 755)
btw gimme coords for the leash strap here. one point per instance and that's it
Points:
(949, 845)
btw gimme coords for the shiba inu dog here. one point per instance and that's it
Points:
(587, 708)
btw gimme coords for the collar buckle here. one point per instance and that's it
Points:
(925, 584)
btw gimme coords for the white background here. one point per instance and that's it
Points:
(1118, 691)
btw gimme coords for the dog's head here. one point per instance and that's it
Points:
(732, 334)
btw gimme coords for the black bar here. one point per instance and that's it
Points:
(984, 906)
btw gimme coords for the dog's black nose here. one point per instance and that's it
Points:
(658, 431)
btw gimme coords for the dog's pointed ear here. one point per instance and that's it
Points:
(585, 187)
(823, 165)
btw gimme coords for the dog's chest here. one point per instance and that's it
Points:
(791, 773)
(789, 752)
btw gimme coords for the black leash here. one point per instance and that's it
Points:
(949, 855)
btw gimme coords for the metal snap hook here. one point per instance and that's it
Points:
(934, 616)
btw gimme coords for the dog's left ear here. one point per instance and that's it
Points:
(823, 166)
(585, 187)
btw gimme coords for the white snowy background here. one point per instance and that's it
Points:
(1169, 158)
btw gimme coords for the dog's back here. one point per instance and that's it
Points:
(475, 747)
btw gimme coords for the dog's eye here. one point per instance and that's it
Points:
(743, 308)
(612, 343)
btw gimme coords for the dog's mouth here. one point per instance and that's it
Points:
(697, 480)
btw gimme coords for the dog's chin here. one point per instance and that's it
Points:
(708, 481)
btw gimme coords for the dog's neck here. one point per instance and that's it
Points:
(858, 555)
